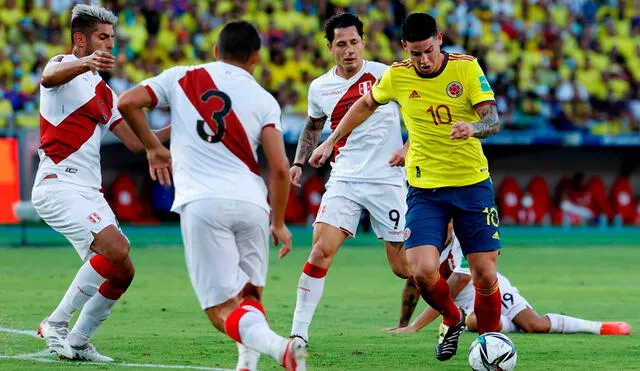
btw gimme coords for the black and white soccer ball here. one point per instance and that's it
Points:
(493, 351)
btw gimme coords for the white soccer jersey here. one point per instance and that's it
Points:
(73, 119)
(218, 112)
(364, 154)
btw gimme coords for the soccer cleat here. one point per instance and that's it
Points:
(448, 338)
(615, 328)
(55, 335)
(88, 352)
(295, 355)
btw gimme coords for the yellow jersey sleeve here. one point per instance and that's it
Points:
(382, 92)
(480, 91)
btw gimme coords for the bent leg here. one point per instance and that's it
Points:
(327, 239)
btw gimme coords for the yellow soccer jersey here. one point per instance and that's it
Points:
(430, 105)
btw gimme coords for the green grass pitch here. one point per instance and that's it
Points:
(158, 322)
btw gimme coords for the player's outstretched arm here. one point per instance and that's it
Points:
(56, 74)
(130, 105)
(356, 115)
(457, 282)
(273, 146)
(307, 142)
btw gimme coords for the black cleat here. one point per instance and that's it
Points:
(448, 338)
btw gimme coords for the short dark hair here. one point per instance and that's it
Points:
(342, 20)
(238, 40)
(85, 19)
(418, 27)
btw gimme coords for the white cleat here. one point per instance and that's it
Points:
(89, 353)
(55, 335)
(295, 355)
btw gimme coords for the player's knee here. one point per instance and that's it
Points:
(425, 278)
(111, 243)
(321, 253)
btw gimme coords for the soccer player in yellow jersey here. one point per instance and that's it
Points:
(447, 106)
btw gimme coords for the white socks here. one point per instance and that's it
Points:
(247, 358)
(310, 291)
(569, 325)
(82, 288)
(255, 333)
(93, 314)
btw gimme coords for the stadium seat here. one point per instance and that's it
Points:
(125, 203)
(539, 191)
(508, 200)
(312, 191)
(599, 201)
(623, 200)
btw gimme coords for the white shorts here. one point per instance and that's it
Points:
(343, 202)
(512, 302)
(74, 211)
(226, 246)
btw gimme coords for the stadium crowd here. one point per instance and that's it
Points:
(567, 65)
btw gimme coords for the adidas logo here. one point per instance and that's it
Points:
(414, 94)
(496, 236)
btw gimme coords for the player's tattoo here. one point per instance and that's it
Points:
(309, 138)
(489, 123)
(410, 297)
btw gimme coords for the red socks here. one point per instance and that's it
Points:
(487, 308)
(439, 298)
(314, 271)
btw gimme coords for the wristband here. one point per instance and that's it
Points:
(297, 164)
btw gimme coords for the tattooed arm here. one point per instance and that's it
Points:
(309, 139)
(488, 125)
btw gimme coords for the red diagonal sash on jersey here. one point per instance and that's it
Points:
(62, 140)
(355, 91)
(197, 82)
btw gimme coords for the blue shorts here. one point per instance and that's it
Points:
(472, 208)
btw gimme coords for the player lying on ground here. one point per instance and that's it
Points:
(77, 108)
(517, 314)
(365, 174)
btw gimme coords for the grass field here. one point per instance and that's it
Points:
(159, 322)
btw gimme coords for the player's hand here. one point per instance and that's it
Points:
(320, 155)
(160, 165)
(295, 173)
(400, 330)
(281, 234)
(100, 61)
(397, 158)
(461, 130)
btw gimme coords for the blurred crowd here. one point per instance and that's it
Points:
(562, 65)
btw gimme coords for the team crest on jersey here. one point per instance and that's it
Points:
(94, 218)
(406, 233)
(364, 87)
(454, 89)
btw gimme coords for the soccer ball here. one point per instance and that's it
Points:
(493, 351)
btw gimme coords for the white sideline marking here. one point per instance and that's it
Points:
(20, 332)
(36, 357)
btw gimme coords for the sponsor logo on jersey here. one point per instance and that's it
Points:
(71, 170)
(454, 89)
(94, 218)
(406, 233)
(103, 110)
(364, 87)
(414, 94)
(496, 236)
